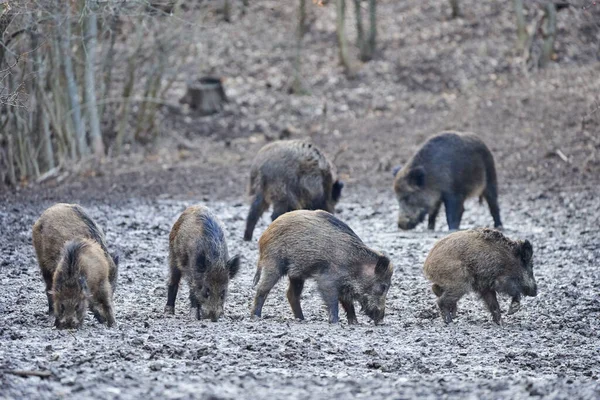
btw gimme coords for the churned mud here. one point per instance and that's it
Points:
(551, 348)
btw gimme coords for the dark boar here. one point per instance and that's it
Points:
(81, 280)
(197, 249)
(303, 244)
(55, 227)
(484, 261)
(291, 175)
(448, 168)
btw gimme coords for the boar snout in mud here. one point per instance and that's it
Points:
(449, 168)
(291, 175)
(484, 261)
(198, 251)
(303, 244)
(81, 280)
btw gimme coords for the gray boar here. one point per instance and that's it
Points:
(484, 261)
(197, 249)
(81, 280)
(291, 175)
(55, 227)
(303, 244)
(448, 168)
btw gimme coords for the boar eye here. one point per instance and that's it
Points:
(223, 293)
(62, 308)
(206, 293)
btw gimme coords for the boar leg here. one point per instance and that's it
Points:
(293, 295)
(491, 197)
(330, 296)
(269, 277)
(102, 308)
(489, 297)
(48, 279)
(257, 208)
(433, 213)
(348, 306)
(173, 285)
(194, 306)
(515, 305)
(454, 209)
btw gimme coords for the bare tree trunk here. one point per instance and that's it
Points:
(341, 35)
(42, 126)
(360, 36)
(65, 43)
(297, 85)
(455, 8)
(548, 34)
(91, 33)
(372, 43)
(107, 67)
(521, 25)
(227, 11)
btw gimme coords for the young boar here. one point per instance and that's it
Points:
(484, 261)
(291, 175)
(448, 168)
(197, 249)
(81, 280)
(303, 244)
(55, 227)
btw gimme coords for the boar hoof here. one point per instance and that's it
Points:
(169, 310)
(447, 316)
(514, 307)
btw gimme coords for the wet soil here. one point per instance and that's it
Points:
(551, 348)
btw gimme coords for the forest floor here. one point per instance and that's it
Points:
(430, 74)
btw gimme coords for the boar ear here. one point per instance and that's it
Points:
(84, 286)
(336, 190)
(382, 266)
(234, 266)
(526, 251)
(396, 169)
(115, 257)
(416, 177)
(201, 263)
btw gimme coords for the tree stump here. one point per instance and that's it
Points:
(206, 95)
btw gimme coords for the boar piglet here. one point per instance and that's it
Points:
(484, 261)
(81, 280)
(448, 168)
(55, 227)
(291, 175)
(303, 244)
(197, 249)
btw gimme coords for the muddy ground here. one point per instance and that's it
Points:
(550, 349)
(429, 74)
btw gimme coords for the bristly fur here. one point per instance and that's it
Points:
(214, 236)
(72, 250)
(95, 232)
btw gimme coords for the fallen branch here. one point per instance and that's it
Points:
(25, 374)
(562, 156)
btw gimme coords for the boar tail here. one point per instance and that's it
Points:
(256, 276)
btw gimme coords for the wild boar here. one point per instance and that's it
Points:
(484, 261)
(449, 168)
(303, 244)
(81, 280)
(55, 227)
(291, 175)
(197, 249)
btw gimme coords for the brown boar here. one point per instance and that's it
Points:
(303, 244)
(55, 227)
(484, 261)
(197, 249)
(291, 175)
(449, 168)
(81, 280)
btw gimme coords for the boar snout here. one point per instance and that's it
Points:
(530, 291)
(213, 316)
(376, 314)
(67, 323)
